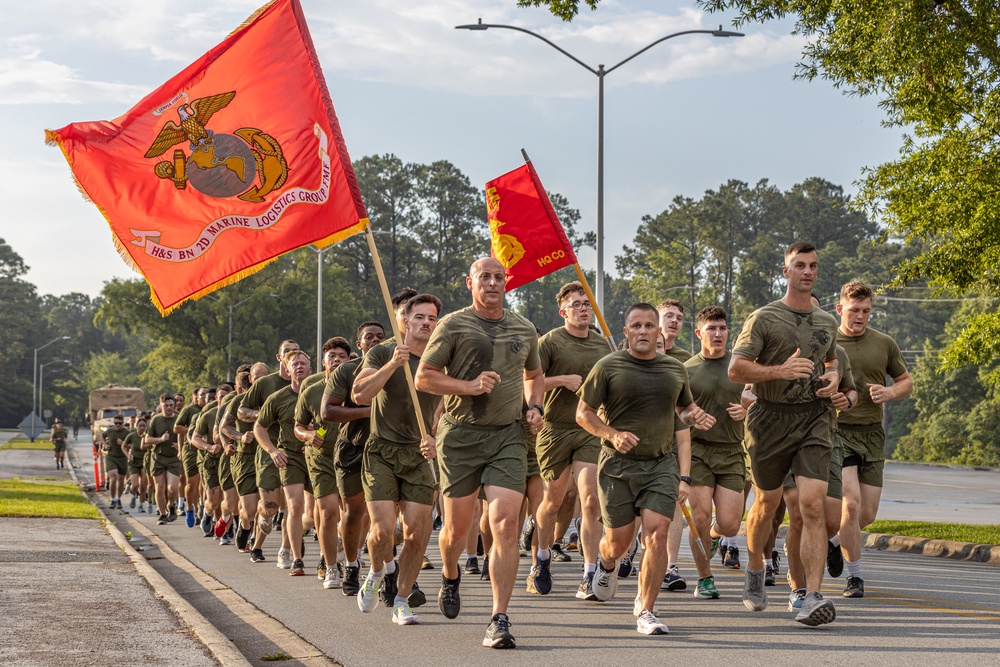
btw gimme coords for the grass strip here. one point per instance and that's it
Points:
(24, 443)
(959, 532)
(57, 500)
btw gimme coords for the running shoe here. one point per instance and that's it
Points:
(264, 524)
(637, 606)
(161, 520)
(298, 568)
(225, 540)
(142, 508)
(332, 578)
(242, 538)
(133, 501)
(834, 560)
(221, 526)
(403, 615)
(795, 599)
(189, 518)
(498, 633)
(527, 532)
(776, 561)
(586, 589)
(416, 598)
(605, 583)
(485, 574)
(706, 590)
(733, 558)
(573, 543)
(558, 555)
(428, 565)
(815, 610)
(368, 596)
(352, 584)
(769, 575)
(672, 580)
(529, 584)
(206, 525)
(472, 565)
(284, 559)
(754, 595)
(855, 587)
(257, 556)
(648, 624)
(542, 576)
(321, 568)
(625, 565)
(714, 548)
(449, 601)
(437, 523)
(390, 586)
(171, 516)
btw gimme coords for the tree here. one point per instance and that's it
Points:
(20, 330)
(564, 9)
(935, 69)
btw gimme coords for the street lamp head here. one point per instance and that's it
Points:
(726, 33)
(477, 26)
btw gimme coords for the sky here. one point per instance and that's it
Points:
(684, 117)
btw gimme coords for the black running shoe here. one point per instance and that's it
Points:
(769, 575)
(242, 538)
(298, 568)
(206, 525)
(498, 633)
(472, 565)
(390, 587)
(352, 583)
(834, 560)
(162, 520)
(558, 555)
(449, 602)
(485, 575)
(776, 561)
(542, 577)
(733, 558)
(257, 556)
(855, 587)
(170, 517)
(526, 534)
(417, 598)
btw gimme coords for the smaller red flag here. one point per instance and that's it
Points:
(526, 236)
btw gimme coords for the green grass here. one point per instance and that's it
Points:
(24, 443)
(959, 532)
(57, 500)
(276, 657)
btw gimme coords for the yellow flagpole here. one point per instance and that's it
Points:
(398, 336)
(597, 310)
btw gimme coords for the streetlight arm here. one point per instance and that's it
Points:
(717, 33)
(484, 26)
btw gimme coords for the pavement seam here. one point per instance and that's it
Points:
(221, 648)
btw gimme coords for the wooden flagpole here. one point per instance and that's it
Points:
(597, 310)
(398, 336)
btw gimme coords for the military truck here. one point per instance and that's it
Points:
(113, 400)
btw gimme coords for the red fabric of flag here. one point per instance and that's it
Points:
(526, 236)
(233, 162)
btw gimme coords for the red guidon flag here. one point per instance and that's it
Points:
(236, 160)
(526, 237)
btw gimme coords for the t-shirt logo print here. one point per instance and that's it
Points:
(515, 345)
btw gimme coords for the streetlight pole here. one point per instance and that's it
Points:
(600, 73)
(229, 343)
(41, 379)
(319, 304)
(34, 370)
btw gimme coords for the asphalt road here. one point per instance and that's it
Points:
(916, 609)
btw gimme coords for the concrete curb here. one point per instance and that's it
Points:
(219, 645)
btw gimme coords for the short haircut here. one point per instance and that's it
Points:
(856, 290)
(337, 342)
(165, 397)
(710, 314)
(178, 396)
(670, 303)
(642, 306)
(140, 418)
(260, 369)
(797, 248)
(210, 391)
(243, 380)
(418, 299)
(567, 289)
(225, 386)
(365, 325)
(286, 342)
(291, 355)
(402, 296)
(243, 368)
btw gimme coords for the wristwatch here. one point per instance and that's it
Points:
(541, 410)
(686, 479)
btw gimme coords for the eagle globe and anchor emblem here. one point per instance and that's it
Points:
(247, 164)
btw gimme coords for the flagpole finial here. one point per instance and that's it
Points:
(525, 154)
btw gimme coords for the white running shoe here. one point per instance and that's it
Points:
(368, 595)
(648, 624)
(332, 578)
(637, 606)
(284, 559)
(403, 615)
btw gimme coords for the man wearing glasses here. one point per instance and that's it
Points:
(565, 450)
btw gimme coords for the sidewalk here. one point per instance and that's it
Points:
(71, 596)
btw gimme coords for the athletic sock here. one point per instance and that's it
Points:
(835, 540)
(543, 554)
(377, 576)
(390, 567)
(353, 563)
(400, 600)
(853, 568)
(589, 568)
(728, 541)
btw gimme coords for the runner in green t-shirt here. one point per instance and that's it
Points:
(646, 398)
(567, 454)
(133, 445)
(166, 466)
(874, 357)
(189, 455)
(58, 438)
(484, 360)
(396, 468)
(205, 438)
(787, 351)
(279, 410)
(115, 459)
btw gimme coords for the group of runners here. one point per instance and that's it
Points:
(477, 420)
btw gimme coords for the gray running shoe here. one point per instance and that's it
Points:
(498, 633)
(796, 599)
(560, 556)
(264, 524)
(754, 595)
(815, 610)
(586, 590)
(605, 583)
(855, 587)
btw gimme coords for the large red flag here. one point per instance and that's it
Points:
(236, 160)
(526, 236)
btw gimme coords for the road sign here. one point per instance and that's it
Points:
(32, 426)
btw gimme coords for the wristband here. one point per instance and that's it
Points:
(686, 479)
(850, 403)
(541, 410)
